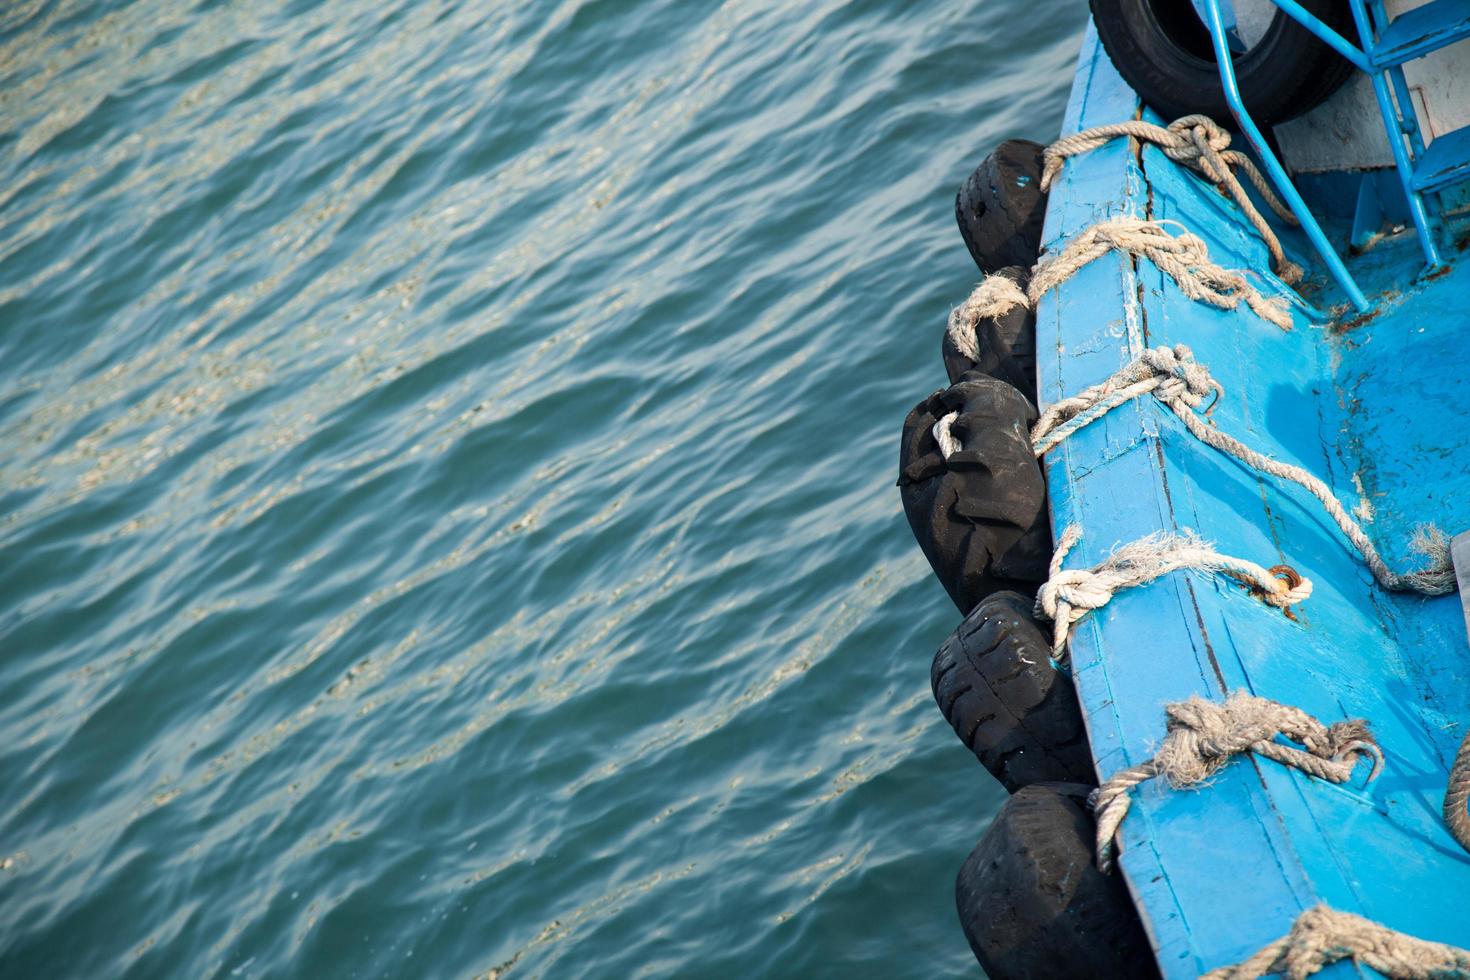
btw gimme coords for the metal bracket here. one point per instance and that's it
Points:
(1460, 555)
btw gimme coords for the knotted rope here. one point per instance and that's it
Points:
(1184, 258)
(1172, 374)
(1321, 936)
(995, 296)
(1458, 795)
(1180, 382)
(1069, 594)
(1203, 736)
(1198, 142)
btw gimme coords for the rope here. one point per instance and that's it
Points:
(1203, 736)
(1181, 383)
(1321, 936)
(948, 444)
(1184, 258)
(1201, 144)
(1070, 594)
(1172, 374)
(994, 297)
(1458, 794)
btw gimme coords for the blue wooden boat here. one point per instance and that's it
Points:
(1368, 391)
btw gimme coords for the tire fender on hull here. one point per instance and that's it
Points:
(994, 682)
(1034, 906)
(979, 516)
(1000, 207)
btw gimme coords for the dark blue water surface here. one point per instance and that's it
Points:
(446, 459)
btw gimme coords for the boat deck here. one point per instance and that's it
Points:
(1377, 409)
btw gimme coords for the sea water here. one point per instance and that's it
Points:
(447, 522)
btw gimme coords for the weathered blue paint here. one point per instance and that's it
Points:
(1220, 871)
(1415, 33)
(1445, 162)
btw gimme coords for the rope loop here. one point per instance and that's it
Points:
(1182, 383)
(1181, 377)
(1184, 258)
(944, 435)
(1203, 736)
(1203, 145)
(995, 296)
(1069, 594)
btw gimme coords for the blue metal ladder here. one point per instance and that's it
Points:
(1386, 46)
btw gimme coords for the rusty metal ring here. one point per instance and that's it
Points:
(1290, 575)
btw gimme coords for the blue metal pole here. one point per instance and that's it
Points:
(1273, 166)
(1338, 43)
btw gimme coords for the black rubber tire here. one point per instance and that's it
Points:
(1034, 906)
(980, 517)
(1000, 207)
(1163, 50)
(995, 684)
(1007, 344)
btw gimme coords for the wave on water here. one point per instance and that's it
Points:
(446, 460)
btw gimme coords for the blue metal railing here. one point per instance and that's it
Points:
(1394, 105)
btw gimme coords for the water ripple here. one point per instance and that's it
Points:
(446, 521)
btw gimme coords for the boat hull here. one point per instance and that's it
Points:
(1378, 410)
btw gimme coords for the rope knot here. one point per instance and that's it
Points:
(1070, 593)
(1202, 145)
(1201, 131)
(1185, 379)
(1199, 142)
(1202, 736)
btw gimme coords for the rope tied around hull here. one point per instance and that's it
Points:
(1175, 378)
(1184, 258)
(995, 296)
(1069, 594)
(1201, 144)
(1202, 736)
(1170, 373)
(1322, 936)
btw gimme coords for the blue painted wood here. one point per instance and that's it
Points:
(1445, 161)
(1220, 871)
(1415, 33)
